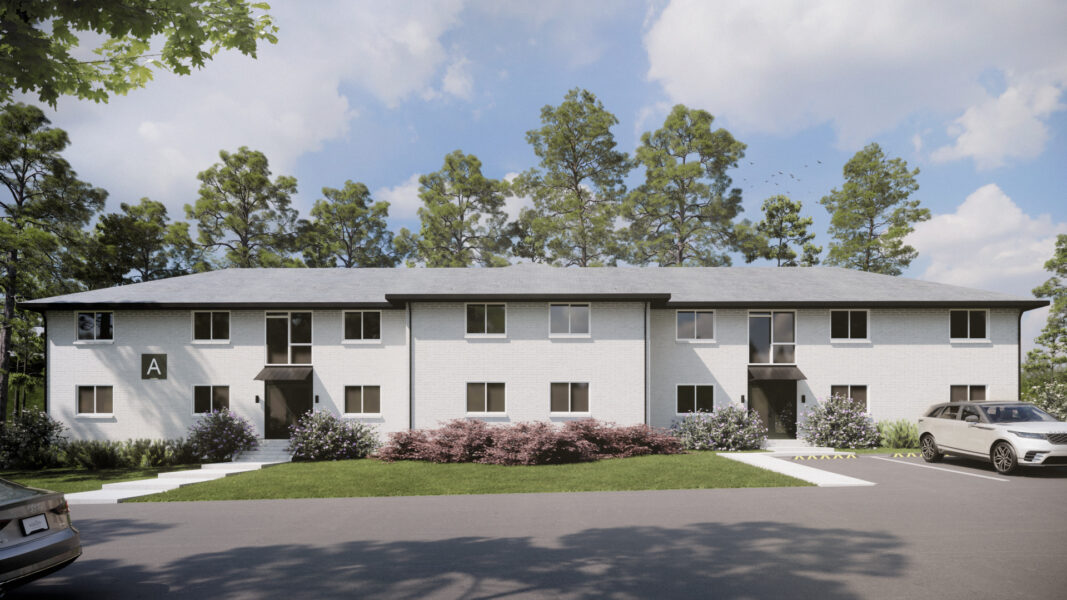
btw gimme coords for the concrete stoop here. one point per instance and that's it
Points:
(112, 493)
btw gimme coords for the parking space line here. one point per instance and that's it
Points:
(900, 462)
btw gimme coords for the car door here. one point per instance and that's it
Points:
(948, 427)
(974, 436)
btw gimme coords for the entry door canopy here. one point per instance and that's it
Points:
(284, 374)
(779, 373)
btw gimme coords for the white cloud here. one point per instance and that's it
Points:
(458, 80)
(514, 204)
(989, 243)
(781, 67)
(403, 199)
(286, 103)
(1011, 125)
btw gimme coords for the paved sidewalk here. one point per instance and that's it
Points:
(112, 493)
(776, 462)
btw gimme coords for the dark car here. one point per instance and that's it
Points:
(36, 536)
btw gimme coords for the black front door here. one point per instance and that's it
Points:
(776, 402)
(286, 402)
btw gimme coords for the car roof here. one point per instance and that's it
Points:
(981, 402)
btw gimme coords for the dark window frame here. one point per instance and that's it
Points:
(849, 393)
(211, 398)
(96, 401)
(969, 390)
(770, 315)
(485, 320)
(695, 388)
(290, 345)
(695, 337)
(363, 339)
(571, 386)
(485, 398)
(968, 324)
(96, 326)
(849, 325)
(211, 326)
(363, 400)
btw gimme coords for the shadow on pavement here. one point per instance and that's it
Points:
(750, 560)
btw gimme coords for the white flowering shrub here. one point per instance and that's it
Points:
(325, 436)
(731, 428)
(838, 422)
(220, 435)
(1050, 396)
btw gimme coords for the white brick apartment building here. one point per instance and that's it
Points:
(400, 348)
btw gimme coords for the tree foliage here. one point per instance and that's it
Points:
(40, 50)
(1050, 357)
(348, 228)
(577, 190)
(245, 214)
(41, 216)
(872, 213)
(139, 243)
(462, 217)
(684, 212)
(783, 231)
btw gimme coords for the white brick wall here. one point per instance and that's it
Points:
(611, 360)
(164, 408)
(907, 365)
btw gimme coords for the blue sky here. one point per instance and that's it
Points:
(971, 93)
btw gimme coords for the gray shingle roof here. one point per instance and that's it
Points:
(692, 286)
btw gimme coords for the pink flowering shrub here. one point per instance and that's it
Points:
(838, 422)
(527, 443)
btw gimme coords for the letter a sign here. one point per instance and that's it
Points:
(153, 366)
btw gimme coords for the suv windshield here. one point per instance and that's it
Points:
(1016, 414)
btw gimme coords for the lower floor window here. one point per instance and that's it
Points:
(363, 399)
(485, 397)
(210, 398)
(569, 397)
(856, 393)
(967, 393)
(94, 399)
(696, 398)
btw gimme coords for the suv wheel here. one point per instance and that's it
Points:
(1004, 459)
(929, 449)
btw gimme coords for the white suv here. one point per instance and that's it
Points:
(1008, 434)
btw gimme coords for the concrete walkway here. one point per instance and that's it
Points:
(780, 462)
(112, 493)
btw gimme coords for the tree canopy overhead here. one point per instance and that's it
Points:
(781, 229)
(348, 229)
(40, 42)
(684, 212)
(872, 213)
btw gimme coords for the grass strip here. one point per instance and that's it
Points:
(369, 477)
(70, 480)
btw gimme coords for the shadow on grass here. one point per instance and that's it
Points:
(744, 560)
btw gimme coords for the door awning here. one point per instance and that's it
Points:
(284, 374)
(783, 372)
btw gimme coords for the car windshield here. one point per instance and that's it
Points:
(1016, 414)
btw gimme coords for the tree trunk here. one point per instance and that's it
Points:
(5, 330)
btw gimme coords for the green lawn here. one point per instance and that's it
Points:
(369, 477)
(68, 480)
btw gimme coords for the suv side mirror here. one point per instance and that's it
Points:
(971, 418)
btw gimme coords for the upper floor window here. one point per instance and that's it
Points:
(968, 324)
(569, 319)
(363, 325)
(213, 326)
(848, 324)
(95, 326)
(94, 399)
(966, 393)
(696, 398)
(856, 393)
(695, 324)
(289, 338)
(210, 398)
(772, 337)
(486, 319)
(569, 397)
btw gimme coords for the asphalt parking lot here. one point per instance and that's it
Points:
(962, 532)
